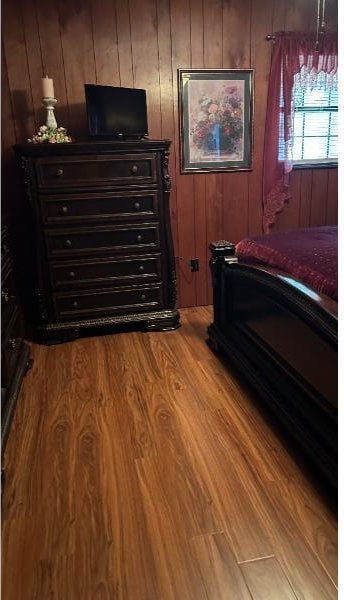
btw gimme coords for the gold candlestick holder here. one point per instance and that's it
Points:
(49, 104)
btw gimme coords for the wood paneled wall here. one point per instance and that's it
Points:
(142, 43)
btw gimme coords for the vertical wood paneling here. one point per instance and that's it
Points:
(164, 50)
(200, 206)
(142, 43)
(17, 71)
(124, 43)
(306, 198)
(105, 42)
(278, 15)
(201, 248)
(294, 204)
(8, 179)
(169, 112)
(332, 198)
(181, 57)
(213, 57)
(236, 41)
(319, 192)
(34, 60)
(78, 52)
(53, 59)
(260, 55)
(301, 15)
(7, 123)
(236, 55)
(214, 216)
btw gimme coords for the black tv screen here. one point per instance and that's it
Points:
(116, 111)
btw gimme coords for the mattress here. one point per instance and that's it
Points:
(310, 255)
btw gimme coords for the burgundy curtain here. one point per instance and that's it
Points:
(294, 53)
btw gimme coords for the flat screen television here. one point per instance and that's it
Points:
(116, 112)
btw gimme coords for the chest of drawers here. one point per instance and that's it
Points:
(101, 238)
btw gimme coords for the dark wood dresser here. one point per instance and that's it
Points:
(14, 350)
(100, 238)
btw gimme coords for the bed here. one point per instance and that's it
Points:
(275, 319)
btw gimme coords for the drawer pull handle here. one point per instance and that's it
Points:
(75, 304)
(141, 268)
(143, 297)
(59, 172)
(68, 243)
(139, 238)
(71, 274)
(137, 206)
(134, 169)
(64, 210)
(12, 342)
(5, 296)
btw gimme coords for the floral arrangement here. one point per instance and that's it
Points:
(218, 126)
(49, 135)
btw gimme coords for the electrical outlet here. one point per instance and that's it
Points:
(194, 264)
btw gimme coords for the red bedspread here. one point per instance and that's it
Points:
(310, 255)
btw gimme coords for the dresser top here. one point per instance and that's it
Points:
(91, 147)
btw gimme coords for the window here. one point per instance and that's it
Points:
(303, 132)
(315, 126)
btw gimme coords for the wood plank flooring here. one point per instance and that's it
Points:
(138, 467)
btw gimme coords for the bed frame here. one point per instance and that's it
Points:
(282, 337)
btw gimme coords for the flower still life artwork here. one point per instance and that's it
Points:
(215, 120)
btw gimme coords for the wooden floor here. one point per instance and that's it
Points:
(138, 468)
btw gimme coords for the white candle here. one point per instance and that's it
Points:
(48, 87)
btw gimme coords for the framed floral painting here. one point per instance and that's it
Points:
(215, 109)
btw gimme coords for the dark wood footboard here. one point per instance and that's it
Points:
(282, 337)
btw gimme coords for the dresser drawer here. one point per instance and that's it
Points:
(73, 208)
(112, 271)
(105, 301)
(72, 242)
(87, 171)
